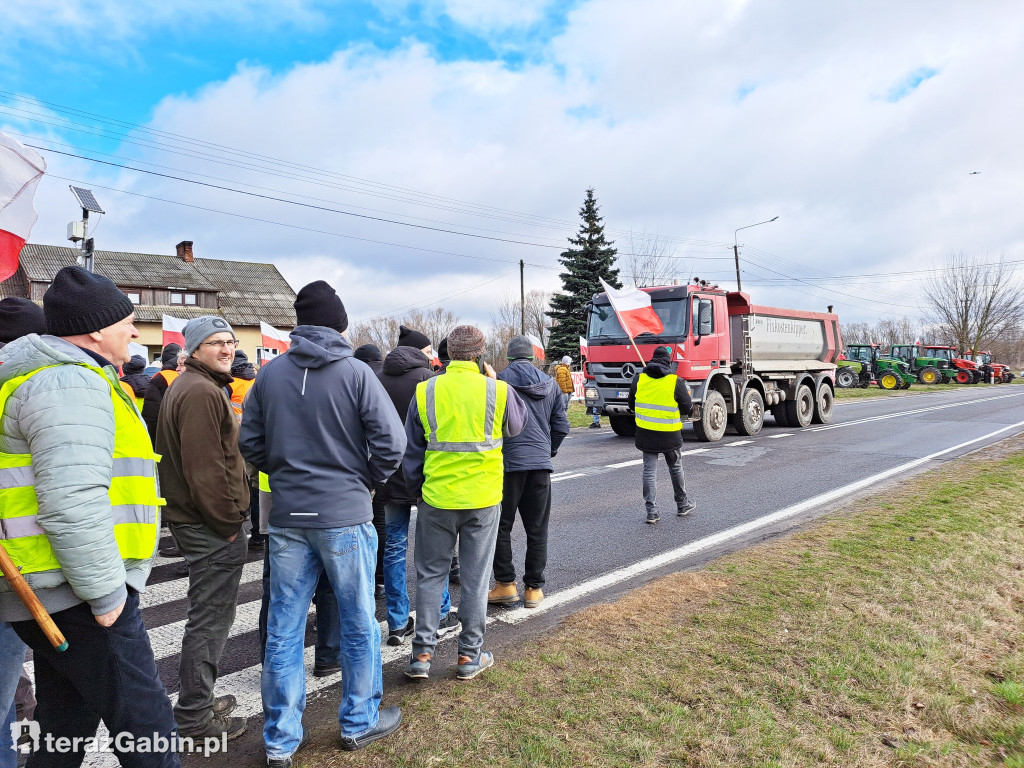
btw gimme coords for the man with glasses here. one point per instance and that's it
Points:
(202, 477)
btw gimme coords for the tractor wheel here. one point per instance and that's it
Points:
(1007, 377)
(823, 402)
(889, 380)
(846, 378)
(929, 375)
(622, 425)
(779, 412)
(750, 418)
(907, 383)
(975, 377)
(714, 418)
(800, 410)
(964, 377)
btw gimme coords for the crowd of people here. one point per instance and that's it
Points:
(325, 453)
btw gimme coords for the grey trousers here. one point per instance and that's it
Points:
(675, 471)
(436, 532)
(214, 571)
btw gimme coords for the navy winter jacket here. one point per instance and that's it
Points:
(322, 427)
(403, 369)
(547, 426)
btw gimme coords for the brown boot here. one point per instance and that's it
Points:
(503, 593)
(533, 597)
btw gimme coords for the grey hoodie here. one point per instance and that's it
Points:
(320, 424)
(65, 413)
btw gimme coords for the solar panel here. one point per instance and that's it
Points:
(86, 199)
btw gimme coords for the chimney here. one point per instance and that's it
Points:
(184, 249)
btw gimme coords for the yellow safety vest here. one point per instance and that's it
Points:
(134, 502)
(462, 414)
(264, 482)
(656, 408)
(131, 393)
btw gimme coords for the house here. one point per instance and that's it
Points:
(182, 286)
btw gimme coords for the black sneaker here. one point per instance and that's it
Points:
(378, 591)
(388, 721)
(399, 636)
(448, 624)
(327, 670)
(685, 508)
(286, 762)
(594, 426)
(233, 727)
(259, 543)
(171, 551)
(652, 517)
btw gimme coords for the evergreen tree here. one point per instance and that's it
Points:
(590, 257)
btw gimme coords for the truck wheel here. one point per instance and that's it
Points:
(888, 380)
(750, 418)
(929, 375)
(779, 412)
(846, 378)
(823, 403)
(800, 410)
(623, 426)
(714, 417)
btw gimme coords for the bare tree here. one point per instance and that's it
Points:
(506, 323)
(383, 330)
(975, 302)
(651, 260)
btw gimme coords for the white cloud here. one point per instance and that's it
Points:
(688, 119)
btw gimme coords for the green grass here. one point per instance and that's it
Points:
(578, 416)
(916, 389)
(889, 635)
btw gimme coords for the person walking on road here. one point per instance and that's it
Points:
(563, 376)
(455, 429)
(203, 477)
(660, 399)
(527, 484)
(320, 425)
(404, 367)
(79, 505)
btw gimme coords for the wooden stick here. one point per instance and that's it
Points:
(28, 597)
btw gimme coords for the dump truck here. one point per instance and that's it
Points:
(739, 360)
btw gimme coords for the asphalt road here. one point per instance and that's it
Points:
(746, 489)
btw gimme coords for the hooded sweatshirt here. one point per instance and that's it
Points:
(320, 424)
(404, 368)
(134, 376)
(651, 439)
(547, 426)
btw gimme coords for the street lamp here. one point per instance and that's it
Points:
(736, 248)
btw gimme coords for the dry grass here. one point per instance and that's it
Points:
(887, 636)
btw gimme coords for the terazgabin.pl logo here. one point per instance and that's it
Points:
(27, 737)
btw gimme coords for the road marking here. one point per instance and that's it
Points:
(737, 442)
(694, 450)
(568, 477)
(911, 413)
(631, 463)
(518, 615)
(176, 589)
(776, 437)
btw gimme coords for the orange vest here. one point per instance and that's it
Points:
(169, 376)
(239, 389)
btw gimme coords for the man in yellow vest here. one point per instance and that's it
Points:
(453, 460)
(79, 502)
(659, 399)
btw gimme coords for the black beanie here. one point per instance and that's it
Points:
(407, 337)
(318, 304)
(662, 355)
(442, 351)
(169, 356)
(20, 317)
(79, 301)
(368, 353)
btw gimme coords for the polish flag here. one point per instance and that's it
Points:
(538, 346)
(174, 331)
(273, 338)
(634, 310)
(20, 171)
(584, 349)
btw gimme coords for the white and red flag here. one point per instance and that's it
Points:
(584, 349)
(174, 331)
(633, 308)
(21, 169)
(273, 338)
(538, 346)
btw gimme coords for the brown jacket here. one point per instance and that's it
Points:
(202, 474)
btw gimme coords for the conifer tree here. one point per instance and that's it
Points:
(589, 257)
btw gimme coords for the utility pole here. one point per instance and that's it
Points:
(736, 248)
(522, 299)
(87, 202)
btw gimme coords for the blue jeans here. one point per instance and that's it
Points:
(298, 556)
(396, 547)
(12, 656)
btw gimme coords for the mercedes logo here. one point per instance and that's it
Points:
(628, 371)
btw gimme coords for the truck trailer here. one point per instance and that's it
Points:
(737, 359)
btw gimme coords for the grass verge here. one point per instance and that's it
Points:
(578, 416)
(889, 635)
(916, 389)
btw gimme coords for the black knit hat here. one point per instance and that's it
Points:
(20, 317)
(407, 337)
(79, 301)
(368, 353)
(318, 304)
(662, 355)
(170, 354)
(442, 351)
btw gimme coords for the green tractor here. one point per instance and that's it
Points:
(862, 365)
(928, 370)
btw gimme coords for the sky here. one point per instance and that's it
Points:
(417, 151)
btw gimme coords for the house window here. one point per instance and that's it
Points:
(183, 298)
(190, 298)
(134, 296)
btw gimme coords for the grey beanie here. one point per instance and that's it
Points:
(519, 348)
(199, 329)
(567, 360)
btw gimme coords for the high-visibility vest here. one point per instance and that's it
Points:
(656, 408)
(169, 376)
(264, 482)
(130, 390)
(239, 389)
(462, 414)
(134, 502)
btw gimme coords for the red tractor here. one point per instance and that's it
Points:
(1000, 373)
(961, 370)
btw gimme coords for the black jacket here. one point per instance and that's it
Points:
(403, 369)
(548, 425)
(650, 439)
(153, 398)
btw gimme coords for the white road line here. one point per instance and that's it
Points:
(176, 589)
(518, 615)
(911, 413)
(568, 477)
(776, 437)
(694, 450)
(630, 463)
(736, 442)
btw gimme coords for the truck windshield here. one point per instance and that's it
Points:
(604, 324)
